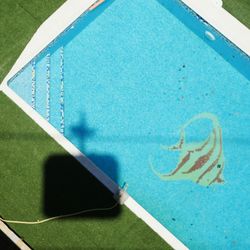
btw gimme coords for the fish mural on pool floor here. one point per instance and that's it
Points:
(201, 162)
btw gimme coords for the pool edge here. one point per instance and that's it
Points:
(137, 209)
(223, 22)
(13, 237)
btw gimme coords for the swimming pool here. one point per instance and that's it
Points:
(122, 81)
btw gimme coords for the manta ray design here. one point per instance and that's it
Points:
(200, 162)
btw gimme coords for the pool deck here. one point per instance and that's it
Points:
(219, 18)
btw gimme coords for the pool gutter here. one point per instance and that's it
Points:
(220, 19)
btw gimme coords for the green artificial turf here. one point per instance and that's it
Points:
(240, 9)
(39, 179)
(19, 19)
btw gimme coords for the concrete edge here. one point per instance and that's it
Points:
(154, 224)
(223, 22)
(13, 237)
(93, 169)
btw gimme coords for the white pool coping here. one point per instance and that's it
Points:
(63, 18)
(223, 21)
(13, 237)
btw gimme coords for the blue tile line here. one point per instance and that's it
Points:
(48, 87)
(33, 85)
(62, 90)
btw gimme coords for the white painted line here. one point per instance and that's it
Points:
(154, 224)
(63, 18)
(13, 237)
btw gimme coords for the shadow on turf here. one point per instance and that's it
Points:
(6, 243)
(69, 187)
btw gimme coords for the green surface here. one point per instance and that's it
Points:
(19, 19)
(30, 187)
(240, 9)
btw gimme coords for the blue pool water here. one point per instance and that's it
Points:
(122, 80)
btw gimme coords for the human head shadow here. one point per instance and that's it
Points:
(81, 132)
(69, 187)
